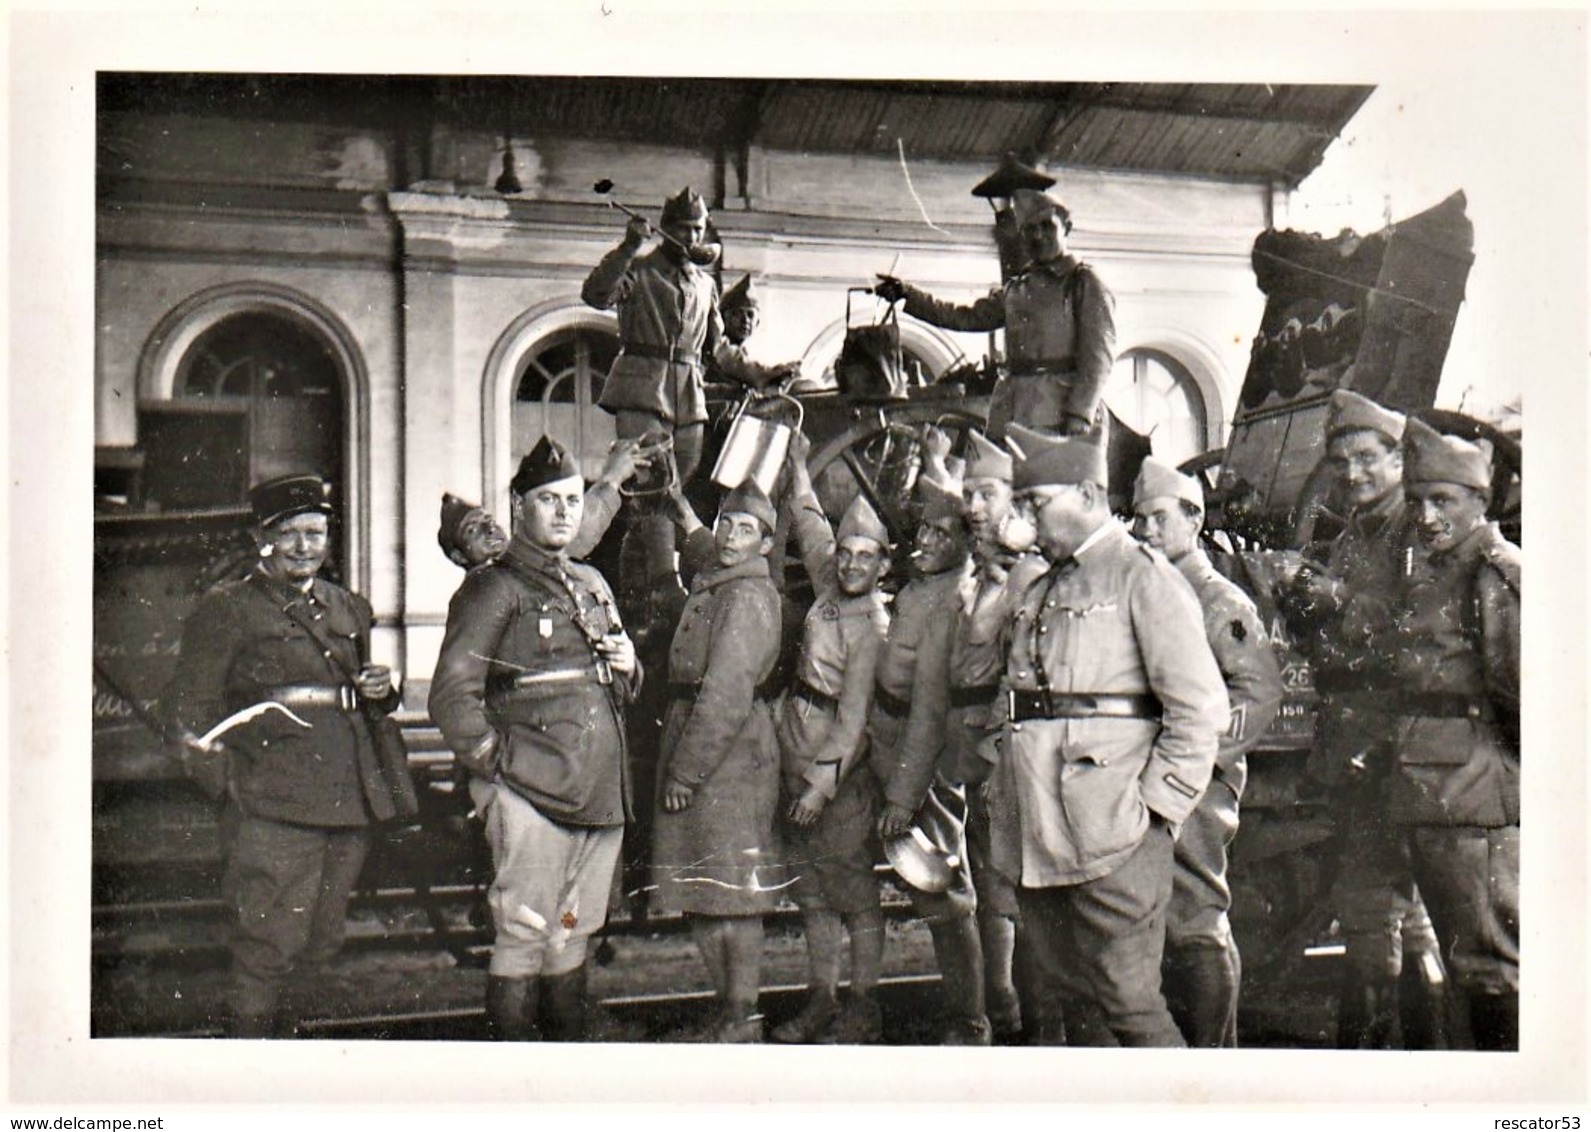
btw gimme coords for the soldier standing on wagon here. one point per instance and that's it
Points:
(1059, 324)
(529, 692)
(1346, 612)
(1455, 790)
(1202, 968)
(830, 798)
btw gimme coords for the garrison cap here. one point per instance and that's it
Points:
(1157, 478)
(988, 460)
(1030, 204)
(749, 499)
(1431, 457)
(860, 520)
(687, 205)
(940, 504)
(741, 295)
(454, 512)
(286, 496)
(1042, 459)
(1009, 176)
(1351, 412)
(546, 463)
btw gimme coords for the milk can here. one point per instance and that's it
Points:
(756, 445)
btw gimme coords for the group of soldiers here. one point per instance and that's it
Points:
(1050, 713)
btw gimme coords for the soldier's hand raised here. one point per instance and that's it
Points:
(890, 289)
(636, 232)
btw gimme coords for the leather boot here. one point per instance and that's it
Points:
(1422, 1002)
(1494, 1020)
(740, 1023)
(817, 1014)
(860, 1021)
(563, 1006)
(1201, 992)
(959, 953)
(512, 1006)
(1367, 1013)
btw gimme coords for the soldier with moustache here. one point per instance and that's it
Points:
(1058, 318)
(1455, 791)
(1202, 969)
(1114, 705)
(299, 801)
(1344, 615)
(530, 690)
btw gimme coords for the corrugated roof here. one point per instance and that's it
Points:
(1245, 131)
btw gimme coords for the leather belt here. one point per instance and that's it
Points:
(813, 696)
(1082, 705)
(342, 697)
(659, 354)
(1064, 368)
(598, 673)
(891, 704)
(979, 695)
(681, 690)
(1441, 705)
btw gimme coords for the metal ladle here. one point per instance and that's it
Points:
(702, 255)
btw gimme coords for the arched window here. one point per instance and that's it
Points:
(257, 394)
(556, 386)
(1154, 393)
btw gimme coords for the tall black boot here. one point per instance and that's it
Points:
(1201, 992)
(563, 1006)
(959, 953)
(512, 1006)
(1494, 1020)
(1367, 1013)
(1422, 1003)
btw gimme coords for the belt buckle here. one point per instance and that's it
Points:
(604, 672)
(1010, 704)
(347, 697)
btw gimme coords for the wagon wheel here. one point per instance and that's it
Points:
(880, 457)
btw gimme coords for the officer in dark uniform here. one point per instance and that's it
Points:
(529, 692)
(300, 800)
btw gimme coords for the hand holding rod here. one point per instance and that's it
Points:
(700, 254)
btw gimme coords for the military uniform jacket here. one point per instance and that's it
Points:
(1058, 317)
(560, 744)
(1458, 634)
(1071, 798)
(238, 646)
(668, 317)
(1247, 662)
(841, 640)
(915, 668)
(1350, 651)
(719, 856)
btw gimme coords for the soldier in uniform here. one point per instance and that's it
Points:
(1114, 707)
(741, 308)
(1455, 791)
(714, 845)
(912, 761)
(1202, 969)
(529, 692)
(1003, 565)
(669, 324)
(1392, 973)
(1059, 322)
(830, 798)
(299, 803)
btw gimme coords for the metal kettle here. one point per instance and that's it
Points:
(756, 446)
